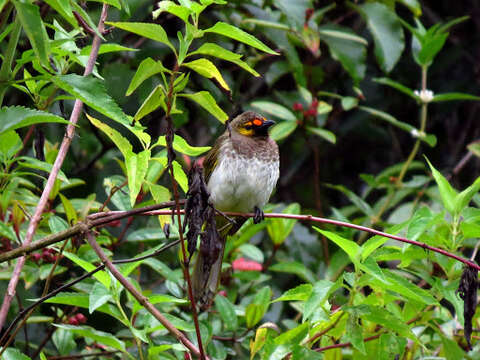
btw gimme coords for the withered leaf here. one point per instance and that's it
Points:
(468, 292)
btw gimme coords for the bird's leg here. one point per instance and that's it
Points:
(259, 216)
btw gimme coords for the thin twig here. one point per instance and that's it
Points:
(140, 298)
(32, 227)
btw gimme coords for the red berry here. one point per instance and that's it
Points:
(297, 106)
(242, 264)
(35, 257)
(222, 293)
(81, 318)
(73, 321)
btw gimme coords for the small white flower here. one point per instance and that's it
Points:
(414, 133)
(425, 95)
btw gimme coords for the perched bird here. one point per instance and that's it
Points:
(241, 171)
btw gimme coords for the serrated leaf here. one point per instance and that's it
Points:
(147, 68)
(148, 30)
(15, 117)
(206, 101)
(239, 35)
(33, 163)
(354, 333)
(29, 15)
(93, 93)
(351, 248)
(274, 109)
(207, 69)
(155, 100)
(299, 293)
(122, 143)
(137, 166)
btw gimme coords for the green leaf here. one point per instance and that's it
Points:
(182, 12)
(93, 93)
(227, 312)
(253, 314)
(106, 48)
(301, 353)
(147, 68)
(150, 31)
(351, 248)
(413, 5)
(293, 336)
(396, 85)
(451, 350)
(29, 15)
(181, 145)
(282, 130)
(211, 49)
(206, 100)
(279, 229)
(349, 102)
(293, 267)
(14, 354)
(462, 199)
(324, 134)
(83, 301)
(207, 69)
(320, 291)
(387, 33)
(64, 341)
(15, 117)
(351, 54)
(299, 293)
(121, 143)
(98, 296)
(382, 317)
(343, 35)
(239, 35)
(155, 100)
(101, 275)
(252, 252)
(7, 231)
(10, 144)
(274, 109)
(98, 336)
(137, 166)
(354, 333)
(32, 163)
(454, 96)
(447, 192)
(355, 199)
(69, 210)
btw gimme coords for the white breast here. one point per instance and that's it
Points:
(239, 183)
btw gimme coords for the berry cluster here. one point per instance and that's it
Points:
(77, 319)
(311, 111)
(47, 256)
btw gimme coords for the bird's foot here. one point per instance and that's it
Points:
(259, 216)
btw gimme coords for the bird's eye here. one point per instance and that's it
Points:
(248, 127)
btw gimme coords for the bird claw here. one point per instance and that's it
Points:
(259, 215)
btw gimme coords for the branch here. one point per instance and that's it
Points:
(140, 298)
(32, 227)
(92, 221)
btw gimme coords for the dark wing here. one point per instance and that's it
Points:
(211, 159)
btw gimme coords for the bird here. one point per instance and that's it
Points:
(241, 171)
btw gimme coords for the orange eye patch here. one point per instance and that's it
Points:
(257, 122)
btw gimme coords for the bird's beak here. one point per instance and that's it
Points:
(266, 124)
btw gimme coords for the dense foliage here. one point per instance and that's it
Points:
(375, 110)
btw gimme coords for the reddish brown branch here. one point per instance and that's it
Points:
(140, 298)
(32, 227)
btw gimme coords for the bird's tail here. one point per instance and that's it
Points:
(206, 276)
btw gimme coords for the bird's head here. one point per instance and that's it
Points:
(251, 124)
